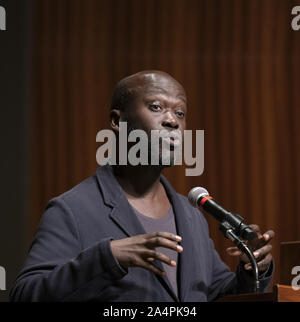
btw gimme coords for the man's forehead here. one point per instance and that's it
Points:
(148, 84)
(145, 83)
(154, 90)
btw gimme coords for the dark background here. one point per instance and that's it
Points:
(15, 161)
(238, 60)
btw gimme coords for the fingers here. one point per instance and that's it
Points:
(268, 235)
(262, 251)
(255, 227)
(262, 265)
(151, 255)
(233, 251)
(257, 239)
(140, 250)
(166, 240)
(164, 235)
(160, 239)
(263, 257)
(260, 247)
(261, 239)
(158, 242)
(152, 268)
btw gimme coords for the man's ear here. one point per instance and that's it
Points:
(114, 117)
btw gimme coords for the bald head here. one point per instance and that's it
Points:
(128, 88)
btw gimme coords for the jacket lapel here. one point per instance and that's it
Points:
(123, 215)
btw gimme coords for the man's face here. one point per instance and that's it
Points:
(160, 104)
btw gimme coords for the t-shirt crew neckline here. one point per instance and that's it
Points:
(163, 219)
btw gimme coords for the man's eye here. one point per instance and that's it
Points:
(180, 114)
(155, 107)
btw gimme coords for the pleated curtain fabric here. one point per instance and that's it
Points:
(239, 63)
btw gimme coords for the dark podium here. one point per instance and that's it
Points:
(281, 293)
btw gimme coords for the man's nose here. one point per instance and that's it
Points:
(170, 121)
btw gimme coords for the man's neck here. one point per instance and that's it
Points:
(139, 181)
(143, 189)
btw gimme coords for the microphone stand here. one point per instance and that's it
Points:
(228, 232)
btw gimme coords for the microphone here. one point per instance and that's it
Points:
(200, 198)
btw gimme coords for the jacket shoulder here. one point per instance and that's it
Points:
(87, 191)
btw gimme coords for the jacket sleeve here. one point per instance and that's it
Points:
(58, 268)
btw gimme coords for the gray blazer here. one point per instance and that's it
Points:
(70, 258)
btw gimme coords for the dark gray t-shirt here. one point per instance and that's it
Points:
(166, 223)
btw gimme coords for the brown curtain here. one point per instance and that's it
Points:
(238, 61)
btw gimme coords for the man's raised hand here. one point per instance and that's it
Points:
(140, 250)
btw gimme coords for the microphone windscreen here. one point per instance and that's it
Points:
(195, 194)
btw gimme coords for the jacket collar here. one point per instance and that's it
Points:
(123, 216)
(122, 213)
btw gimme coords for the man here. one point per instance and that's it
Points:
(125, 234)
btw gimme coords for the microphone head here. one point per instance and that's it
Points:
(195, 194)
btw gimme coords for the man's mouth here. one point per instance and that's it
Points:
(173, 139)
